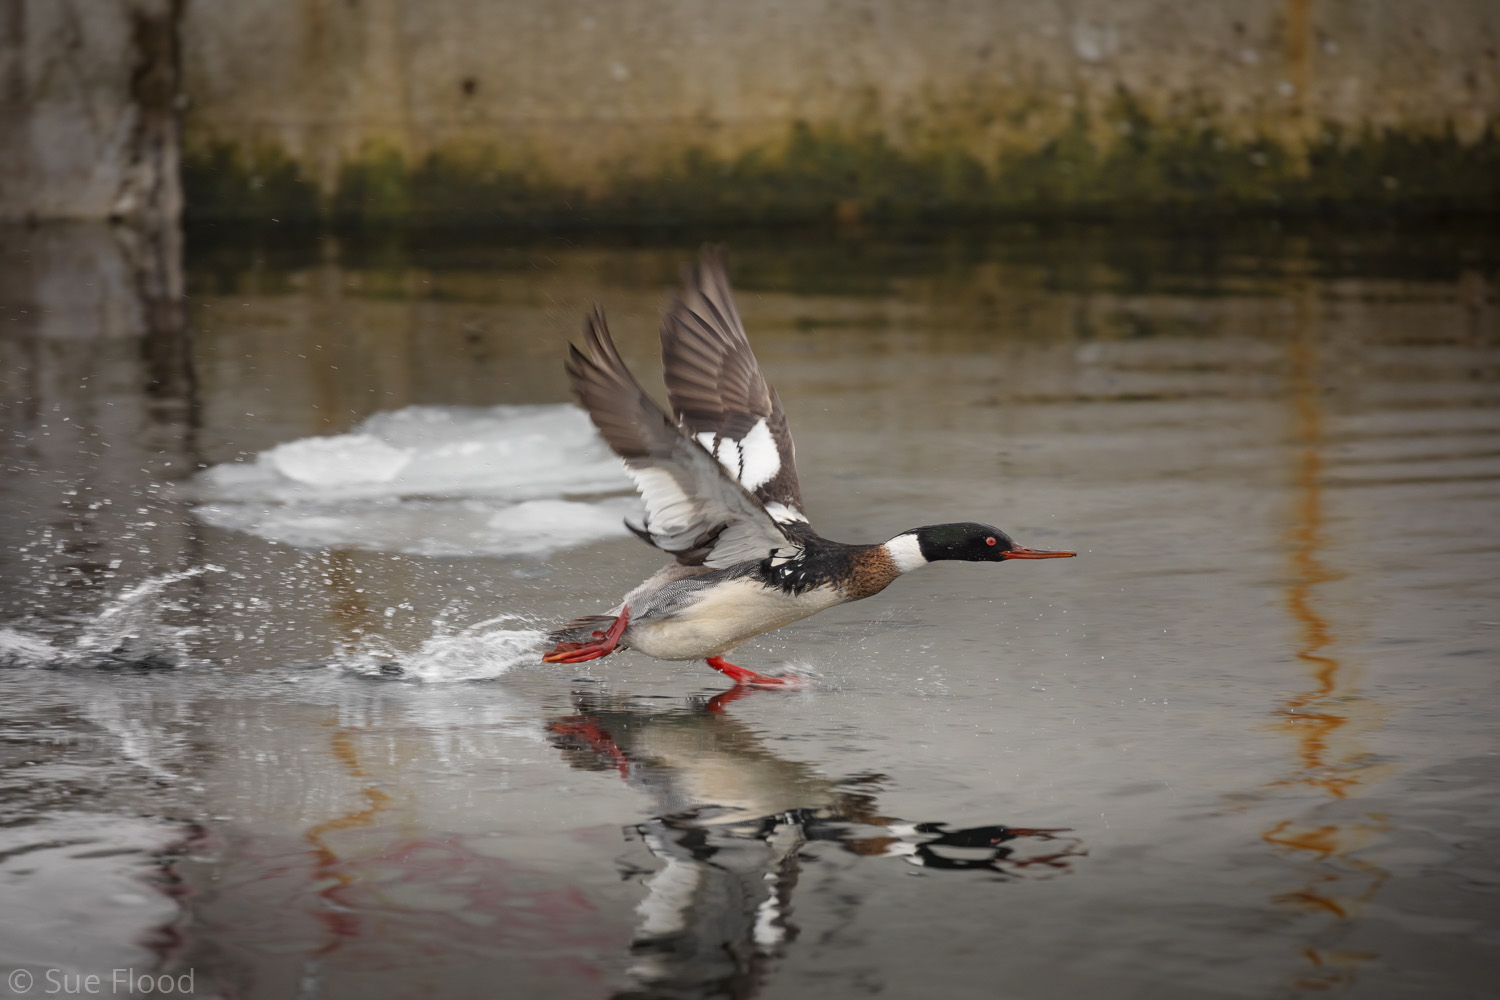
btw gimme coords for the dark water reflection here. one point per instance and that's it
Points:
(1242, 747)
(735, 824)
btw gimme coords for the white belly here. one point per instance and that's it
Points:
(726, 616)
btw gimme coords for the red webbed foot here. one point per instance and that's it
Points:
(585, 729)
(602, 644)
(742, 675)
(721, 701)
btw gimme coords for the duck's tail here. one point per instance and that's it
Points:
(581, 629)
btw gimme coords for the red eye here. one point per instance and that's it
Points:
(990, 540)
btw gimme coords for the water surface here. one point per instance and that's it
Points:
(276, 558)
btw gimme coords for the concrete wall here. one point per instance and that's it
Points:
(673, 108)
(87, 119)
(466, 110)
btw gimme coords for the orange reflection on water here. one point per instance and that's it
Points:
(1312, 717)
(349, 611)
(1321, 720)
(339, 919)
(1335, 843)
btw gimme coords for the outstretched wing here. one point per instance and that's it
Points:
(718, 393)
(694, 510)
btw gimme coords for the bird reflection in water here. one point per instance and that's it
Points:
(732, 820)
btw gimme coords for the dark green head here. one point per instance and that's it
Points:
(973, 542)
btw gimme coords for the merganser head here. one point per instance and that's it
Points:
(967, 540)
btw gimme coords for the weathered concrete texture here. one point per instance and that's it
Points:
(465, 109)
(87, 92)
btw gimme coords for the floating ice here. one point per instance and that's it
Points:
(431, 480)
(435, 452)
(339, 461)
(429, 527)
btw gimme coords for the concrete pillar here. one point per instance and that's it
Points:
(88, 110)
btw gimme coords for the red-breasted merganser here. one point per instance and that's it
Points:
(721, 497)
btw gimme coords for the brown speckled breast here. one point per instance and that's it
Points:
(871, 569)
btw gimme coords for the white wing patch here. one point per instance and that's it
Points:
(670, 891)
(668, 509)
(679, 513)
(783, 513)
(753, 460)
(759, 459)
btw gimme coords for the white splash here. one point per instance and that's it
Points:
(18, 649)
(474, 657)
(476, 653)
(430, 480)
(127, 631)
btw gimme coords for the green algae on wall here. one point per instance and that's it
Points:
(1172, 166)
(446, 188)
(222, 181)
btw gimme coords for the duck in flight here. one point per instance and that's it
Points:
(721, 496)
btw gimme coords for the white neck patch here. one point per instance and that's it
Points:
(906, 552)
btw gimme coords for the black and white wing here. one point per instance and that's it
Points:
(718, 393)
(694, 510)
